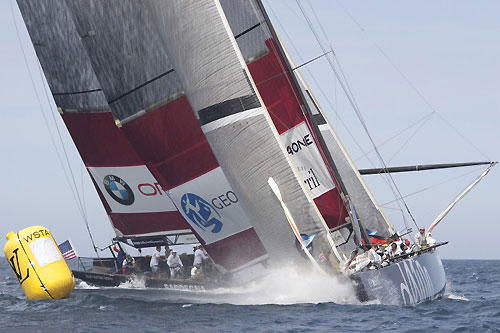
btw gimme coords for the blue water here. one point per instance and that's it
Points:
(471, 304)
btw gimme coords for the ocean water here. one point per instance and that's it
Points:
(285, 302)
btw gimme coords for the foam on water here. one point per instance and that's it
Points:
(85, 285)
(448, 293)
(281, 286)
(289, 286)
(134, 283)
(456, 297)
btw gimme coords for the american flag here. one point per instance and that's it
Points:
(67, 250)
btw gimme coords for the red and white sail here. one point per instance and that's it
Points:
(130, 194)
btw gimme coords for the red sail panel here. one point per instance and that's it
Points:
(244, 248)
(132, 198)
(283, 102)
(99, 141)
(171, 143)
(149, 223)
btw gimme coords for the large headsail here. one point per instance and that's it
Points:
(126, 195)
(206, 57)
(274, 82)
(146, 97)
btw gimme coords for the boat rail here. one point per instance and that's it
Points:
(418, 252)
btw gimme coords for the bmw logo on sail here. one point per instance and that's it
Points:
(201, 213)
(119, 190)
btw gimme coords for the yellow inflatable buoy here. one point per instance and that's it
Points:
(38, 264)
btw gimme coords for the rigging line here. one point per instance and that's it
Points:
(350, 96)
(424, 118)
(462, 136)
(82, 167)
(281, 59)
(79, 200)
(410, 84)
(330, 103)
(44, 116)
(318, 86)
(39, 100)
(328, 99)
(320, 26)
(436, 185)
(408, 140)
(309, 61)
(284, 69)
(62, 144)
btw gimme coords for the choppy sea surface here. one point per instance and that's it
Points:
(286, 302)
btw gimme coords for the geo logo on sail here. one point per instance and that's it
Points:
(200, 212)
(119, 190)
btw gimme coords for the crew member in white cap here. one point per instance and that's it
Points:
(175, 264)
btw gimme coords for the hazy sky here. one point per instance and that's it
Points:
(448, 50)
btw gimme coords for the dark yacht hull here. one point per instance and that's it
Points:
(409, 281)
(114, 280)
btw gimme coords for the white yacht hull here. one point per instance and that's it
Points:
(406, 282)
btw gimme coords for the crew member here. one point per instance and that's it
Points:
(175, 264)
(119, 258)
(374, 257)
(200, 258)
(155, 262)
(423, 240)
(404, 248)
(196, 272)
(393, 251)
(129, 266)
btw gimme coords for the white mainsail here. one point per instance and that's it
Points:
(237, 126)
